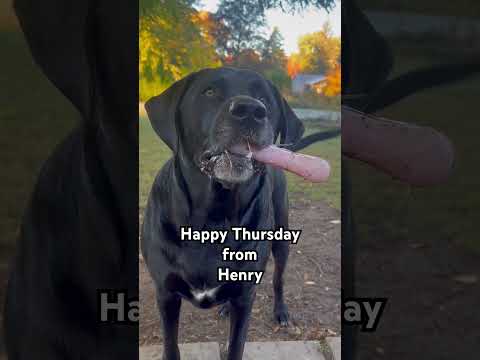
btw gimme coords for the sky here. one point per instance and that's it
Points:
(293, 26)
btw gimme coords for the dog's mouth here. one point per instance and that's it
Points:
(231, 165)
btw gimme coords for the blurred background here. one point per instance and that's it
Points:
(420, 246)
(34, 118)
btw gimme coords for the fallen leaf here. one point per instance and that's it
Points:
(330, 332)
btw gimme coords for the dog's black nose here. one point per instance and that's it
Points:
(245, 107)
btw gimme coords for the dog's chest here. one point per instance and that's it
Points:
(200, 260)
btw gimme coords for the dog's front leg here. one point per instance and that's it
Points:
(240, 311)
(169, 307)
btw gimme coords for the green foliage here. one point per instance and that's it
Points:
(171, 45)
(312, 100)
(279, 77)
(319, 52)
(242, 22)
(247, 58)
(149, 7)
(272, 50)
(269, 60)
(296, 5)
(176, 39)
(274, 60)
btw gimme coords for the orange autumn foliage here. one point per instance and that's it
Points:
(333, 82)
(293, 66)
(206, 25)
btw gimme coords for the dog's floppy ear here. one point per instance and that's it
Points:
(290, 127)
(163, 111)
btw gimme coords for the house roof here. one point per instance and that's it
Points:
(309, 79)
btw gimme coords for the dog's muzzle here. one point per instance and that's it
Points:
(243, 127)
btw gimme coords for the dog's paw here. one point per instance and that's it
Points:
(171, 353)
(224, 311)
(281, 315)
(172, 356)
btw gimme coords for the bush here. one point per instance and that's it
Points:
(279, 78)
(310, 99)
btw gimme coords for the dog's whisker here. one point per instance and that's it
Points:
(230, 161)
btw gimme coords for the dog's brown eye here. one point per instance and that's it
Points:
(209, 92)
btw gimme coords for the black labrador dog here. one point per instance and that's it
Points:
(208, 186)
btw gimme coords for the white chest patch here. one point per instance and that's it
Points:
(199, 295)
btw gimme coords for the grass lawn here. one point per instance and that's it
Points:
(153, 154)
(313, 101)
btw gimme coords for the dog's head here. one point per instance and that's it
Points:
(215, 118)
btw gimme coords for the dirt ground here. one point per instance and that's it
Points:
(312, 289)
(433, 291)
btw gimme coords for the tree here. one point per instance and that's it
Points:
(241, 25)
(173, 43)
(319, 52)
(274, 60)
(296, 5)
(272, 52)
(242, 22)
(333, 82)
(148, 8)
(293, 65)
(207, 25)
(247, 58)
